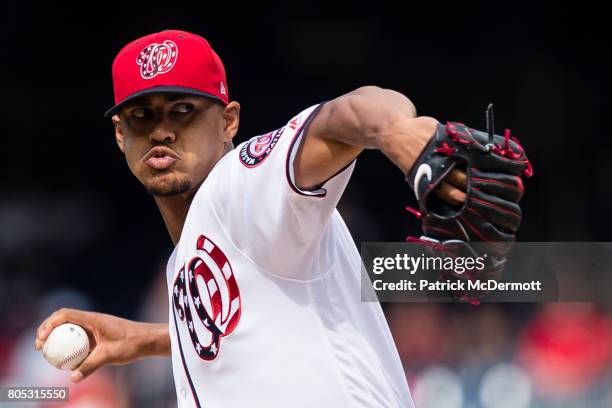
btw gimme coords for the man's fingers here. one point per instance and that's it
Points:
(95, 360)
(457, 178)
(59, 317)
(450, 194)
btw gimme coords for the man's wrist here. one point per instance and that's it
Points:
(404, 143)
(153, 339)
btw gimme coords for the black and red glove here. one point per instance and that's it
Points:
(490, 214)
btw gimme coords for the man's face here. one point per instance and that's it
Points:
(171, 142)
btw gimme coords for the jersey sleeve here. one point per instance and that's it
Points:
(279, 226)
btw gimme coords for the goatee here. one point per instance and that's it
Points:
(169, 189)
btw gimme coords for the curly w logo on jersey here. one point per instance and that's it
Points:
(255, 151)
(207, 285)
(157, 58)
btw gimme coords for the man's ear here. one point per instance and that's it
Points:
(118, 133)
(231, 117)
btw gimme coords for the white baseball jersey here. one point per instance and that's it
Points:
(264, 289)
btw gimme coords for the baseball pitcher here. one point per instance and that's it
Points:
(264, 280)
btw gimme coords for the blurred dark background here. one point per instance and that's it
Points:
(72, 218)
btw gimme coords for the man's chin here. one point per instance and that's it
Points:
(168, 187)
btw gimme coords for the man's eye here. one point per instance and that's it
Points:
(139, 113)
(182, 108)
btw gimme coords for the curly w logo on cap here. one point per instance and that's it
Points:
(157, 58)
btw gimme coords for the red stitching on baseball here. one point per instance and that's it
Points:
(70, 357)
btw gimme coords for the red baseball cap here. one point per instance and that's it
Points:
(170, 61)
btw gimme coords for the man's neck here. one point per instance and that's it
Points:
(174, 211)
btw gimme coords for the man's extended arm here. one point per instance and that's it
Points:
(112, 340)
(367, 118)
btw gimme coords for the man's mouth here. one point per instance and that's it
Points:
(160, 158)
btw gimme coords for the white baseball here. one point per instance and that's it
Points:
(66, 346)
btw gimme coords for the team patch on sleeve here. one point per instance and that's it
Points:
(255, 151)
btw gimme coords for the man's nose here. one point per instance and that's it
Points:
(162, 134)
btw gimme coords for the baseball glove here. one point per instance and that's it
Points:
(494, 166)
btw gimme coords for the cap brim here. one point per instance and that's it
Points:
(160, 90)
